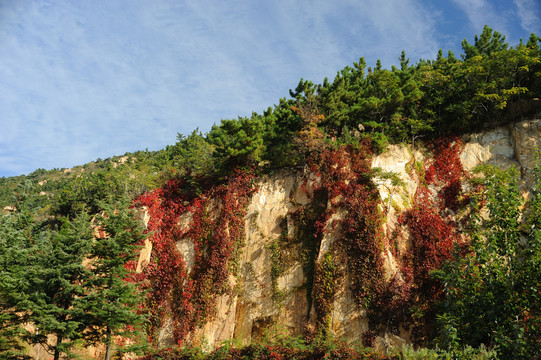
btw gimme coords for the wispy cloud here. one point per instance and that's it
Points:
(529, 12)
(391, 26)
(515, 19)
(480, 13)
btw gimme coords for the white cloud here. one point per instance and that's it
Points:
(392, 26)
(528, 12)
(479, 13)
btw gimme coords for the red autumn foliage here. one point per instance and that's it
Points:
(447, 171)
(345, 176)
(433, 233)
(188, 296)
(432, 238)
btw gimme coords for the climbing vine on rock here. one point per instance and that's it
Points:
(217, 231)
(326, 273)
(348, 206)
(306, 233)
(345, 175)
(166, 270)
(447, 171)
(433, 234)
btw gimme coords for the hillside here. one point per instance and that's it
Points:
(383, 208)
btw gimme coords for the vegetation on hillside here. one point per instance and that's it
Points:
(69, 237)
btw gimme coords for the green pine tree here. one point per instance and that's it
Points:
(42, 284)
(14, 241)
(111, 300)
(488, 42)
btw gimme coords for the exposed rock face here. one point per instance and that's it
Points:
(146, 251)
(515, 145)
(258, 303)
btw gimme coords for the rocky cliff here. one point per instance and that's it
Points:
(281, 277)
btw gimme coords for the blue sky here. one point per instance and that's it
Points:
(81, 80)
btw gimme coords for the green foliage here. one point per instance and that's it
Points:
(175, 354)
(283, 349)
(85, 192)
(277, 268)
(492, 294)
(238, 142)
(326, 274)
(283, 125)
(299, 349)
(41, 279)
(468, 353)
(110, 299)
(57, 277)
(13, 240)
(193, 154)
(487, 43)
(88, 191)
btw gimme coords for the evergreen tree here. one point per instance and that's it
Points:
(66, 283)
(43, 282)
(282, 127)
(487, 43)
(238, 142)
(14, 241)
(193, 154)
(111, 300)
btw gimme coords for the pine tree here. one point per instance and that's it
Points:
(56, 276)
(238, 142)
(13, 259)
(488, 42)
(193, 154)
(43, 281)
(111, 300)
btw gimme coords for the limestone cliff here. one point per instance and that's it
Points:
(272, 287)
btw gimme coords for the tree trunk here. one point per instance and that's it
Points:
(108, 344)
(56, 350)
